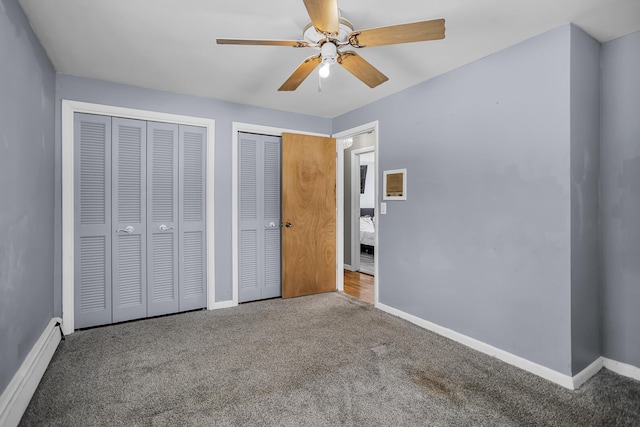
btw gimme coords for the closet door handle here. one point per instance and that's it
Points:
(165, 228)
(127, 229)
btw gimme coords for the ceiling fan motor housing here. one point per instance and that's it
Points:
(329, 52)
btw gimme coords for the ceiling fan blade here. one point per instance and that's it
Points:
(301, 73)
(360, 68)
(324, 15)
(292, 43)
(396, 34)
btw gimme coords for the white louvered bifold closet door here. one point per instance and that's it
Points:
(139, 219)
(92, 194)
(129, 184)
(271, 218)
(162, 218)
(192, 232)
(259, 217)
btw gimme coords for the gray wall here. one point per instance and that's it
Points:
(359, 141)
(483, 243)
(224, 113)
(620, 202)
(26, 173)
(585, 171)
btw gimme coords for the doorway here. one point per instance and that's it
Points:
(363, 212)
(357, 140)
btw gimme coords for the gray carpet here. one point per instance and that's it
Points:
(311, 361)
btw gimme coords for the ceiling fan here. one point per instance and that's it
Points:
(331, 34)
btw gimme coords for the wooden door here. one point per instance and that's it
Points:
(308, 214)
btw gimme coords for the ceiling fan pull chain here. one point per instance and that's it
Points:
(319, 83)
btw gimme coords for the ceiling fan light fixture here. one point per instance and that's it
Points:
(325, 70)
(329, 53)
(347, 143)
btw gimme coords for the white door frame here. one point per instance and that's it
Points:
(237, 127)
(69, 108)
(355, 200)
(340, 137)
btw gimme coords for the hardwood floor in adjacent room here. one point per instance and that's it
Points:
(358, 285)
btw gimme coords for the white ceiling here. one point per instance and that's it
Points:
(170, 45)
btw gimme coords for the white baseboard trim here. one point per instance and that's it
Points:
(622, 368)
(348, 267)
(16, 397)
(223, 304)
(517, 361)
(584, 375)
